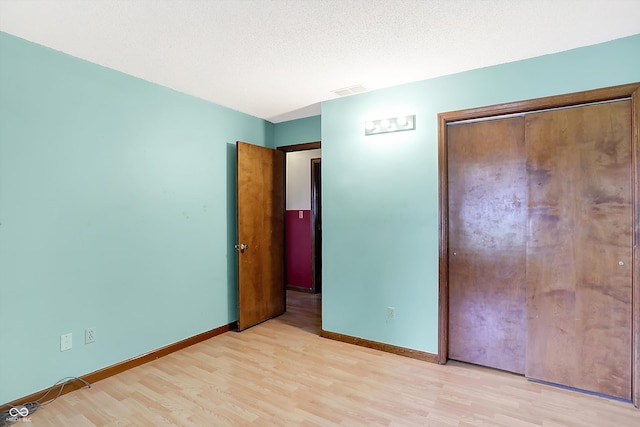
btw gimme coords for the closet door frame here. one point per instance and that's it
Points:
(598, 95)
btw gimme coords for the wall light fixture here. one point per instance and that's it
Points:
(392, 124)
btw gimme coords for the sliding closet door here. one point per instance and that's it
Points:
(487, 248)
(579, 247)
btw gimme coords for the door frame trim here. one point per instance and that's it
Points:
(300, 147)
(606, 94)
(315, 164)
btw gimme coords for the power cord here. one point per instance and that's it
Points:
(18, 412)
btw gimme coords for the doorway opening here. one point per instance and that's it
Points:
(303, 229)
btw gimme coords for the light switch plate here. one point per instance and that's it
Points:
(66, 342)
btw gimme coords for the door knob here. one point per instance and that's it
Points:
(242, 247)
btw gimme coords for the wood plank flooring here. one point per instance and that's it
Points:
(282, 373)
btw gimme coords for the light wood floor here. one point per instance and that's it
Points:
(281, 373)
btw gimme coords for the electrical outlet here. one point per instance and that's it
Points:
(391, 313)
(66, 342)
(90, 335)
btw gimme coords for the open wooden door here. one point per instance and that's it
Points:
(260, 188)
(316, 223)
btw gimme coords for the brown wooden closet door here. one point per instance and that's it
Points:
(487, 224)
(579, 247)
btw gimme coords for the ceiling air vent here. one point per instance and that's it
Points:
(350, 90)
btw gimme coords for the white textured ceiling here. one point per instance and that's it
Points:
(278, 59)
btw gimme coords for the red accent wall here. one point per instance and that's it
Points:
(299, 249)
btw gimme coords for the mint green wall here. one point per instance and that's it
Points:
(380, 193)
(117, 210)
(298, 131)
